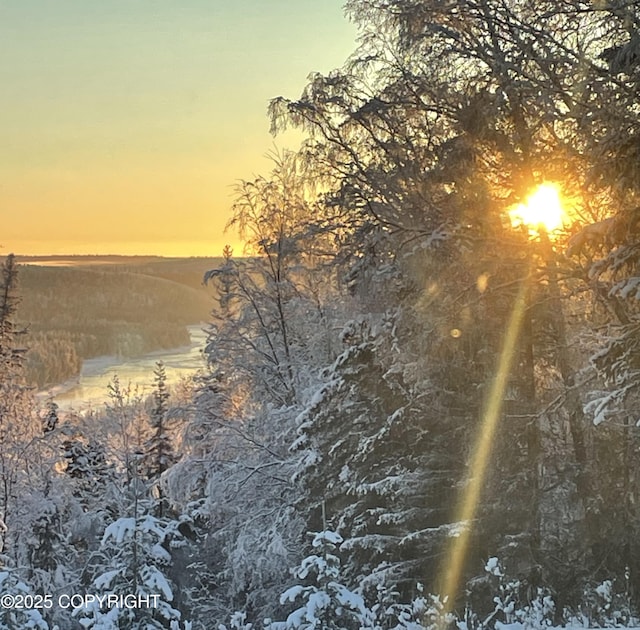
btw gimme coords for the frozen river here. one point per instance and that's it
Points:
(90, 391)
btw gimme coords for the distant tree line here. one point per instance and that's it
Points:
(73, 314)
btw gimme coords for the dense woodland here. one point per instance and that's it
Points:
(126, 308)
(406, 394)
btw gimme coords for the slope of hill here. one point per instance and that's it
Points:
(78, 308)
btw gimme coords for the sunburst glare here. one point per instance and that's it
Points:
(543, 209)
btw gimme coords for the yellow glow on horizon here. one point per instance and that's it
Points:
(116, 139)
(168, 249)
(543, 208)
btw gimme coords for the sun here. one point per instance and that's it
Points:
(543, 209)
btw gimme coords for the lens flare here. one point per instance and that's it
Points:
(466, 510)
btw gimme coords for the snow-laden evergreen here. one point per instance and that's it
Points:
(135, 557)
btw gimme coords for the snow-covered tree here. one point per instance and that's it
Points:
(20, 426)
(88, 468)
(273, 303)
(324, 601)
(12, 617)
(51, 419)
(375, 461)
(124, 426)
(159, 454)
(134, 559)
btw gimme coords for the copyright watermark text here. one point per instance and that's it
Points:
(75, 601)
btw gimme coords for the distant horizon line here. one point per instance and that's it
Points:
(28, 257)
(178, 248)
(19, 255)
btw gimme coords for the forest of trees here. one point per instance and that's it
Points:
(415, 414)
(125, 309)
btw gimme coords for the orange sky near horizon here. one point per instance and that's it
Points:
(127, 125)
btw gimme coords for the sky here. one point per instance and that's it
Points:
(125, 124)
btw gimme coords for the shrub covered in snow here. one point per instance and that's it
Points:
(136, 554)
(14, 616)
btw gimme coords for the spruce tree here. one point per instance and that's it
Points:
(159, 455)
(19, 423)
(159, 451)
